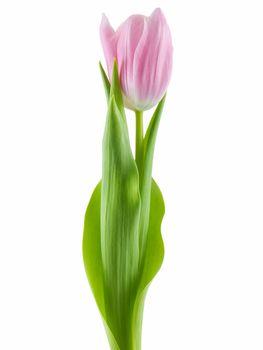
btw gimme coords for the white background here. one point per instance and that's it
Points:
(208, 163)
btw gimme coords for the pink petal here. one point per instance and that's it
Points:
(129, 34)
(143, 49)
(145, 61)
(109, 42)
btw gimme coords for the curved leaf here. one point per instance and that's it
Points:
(91, 250)
(93, 261)
(123, 207)
(120, 210)
(106, 82)
(154, 255)
(146, 175)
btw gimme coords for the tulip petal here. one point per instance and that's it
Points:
(146, 63)
(108, 41)
(129, 35)
(164, 58)
(142, 47)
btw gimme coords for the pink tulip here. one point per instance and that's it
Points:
(143, 49)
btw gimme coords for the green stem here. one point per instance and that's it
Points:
(139, 139)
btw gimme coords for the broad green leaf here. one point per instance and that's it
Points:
(154, 254)
(123, 207)
(155, 249)
(93, 262)
(91, 250)
(120, 210)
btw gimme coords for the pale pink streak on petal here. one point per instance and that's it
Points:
(144, 63)
(129, 35)
(109, 42)
(151, 57)
(138, 64)
(164, 58)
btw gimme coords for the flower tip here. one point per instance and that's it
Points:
(157, 12)
(106, 30)
(105, 24)
(104, 20)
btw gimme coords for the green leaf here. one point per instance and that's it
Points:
(106, 82)
(146, 173)
(116, 90)
(91, 251)
(154, 254)
(93, 262)
(120, 210)
(123, 206)
(91, 248)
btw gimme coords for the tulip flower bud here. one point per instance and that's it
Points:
(143, 49)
